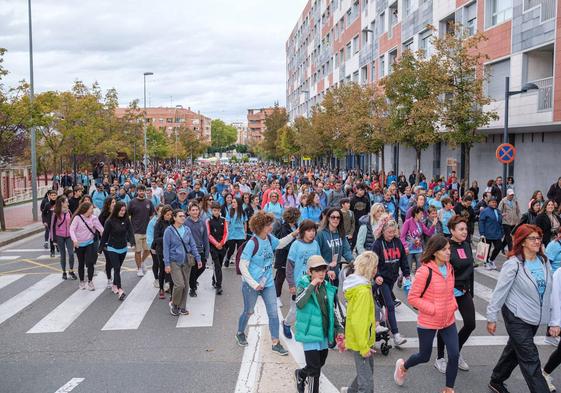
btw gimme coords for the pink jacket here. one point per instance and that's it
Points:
(80, 233)
(410, 232)
(438, 304)
(61, 227)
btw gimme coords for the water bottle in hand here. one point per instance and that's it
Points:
(406, 285)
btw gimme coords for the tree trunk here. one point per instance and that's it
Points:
(467, 184)
(383, 160)
(2, 218)
(417, 160)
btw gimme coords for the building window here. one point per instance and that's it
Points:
(382, 23)
(356, 46)
(373, 71)
(392, 57)
(364, 74)
(470, 18)
(348, 51)
(382, 66)
(355, 76)
(495, 81)
(406, 7)
(425, 42)
(408, 45)
(498, 11)
(393, 15)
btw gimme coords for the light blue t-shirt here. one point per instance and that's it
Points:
(446, 215)
(553, 253)
(535, 267)
(311, 213)
(443, 270)
(117, 250)
(236, 227)
(435, 203)
(275, 208)
(299, 254)
(261, 264)
(181, 230)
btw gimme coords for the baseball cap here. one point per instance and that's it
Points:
(316, 261)
(510, 191)
(182, 191)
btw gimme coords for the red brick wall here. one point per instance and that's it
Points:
(386, 43)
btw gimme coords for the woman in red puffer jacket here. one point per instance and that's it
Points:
(432, 294)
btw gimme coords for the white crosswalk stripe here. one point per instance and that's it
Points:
(201, 308)
(17, 303)
(62, 317)
(8, 279)
(135, 306)
(9, 257)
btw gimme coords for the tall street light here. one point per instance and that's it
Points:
(175, 130)
(33, 135)
(145, 138)
(508, 93)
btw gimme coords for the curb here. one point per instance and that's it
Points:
(22, 234)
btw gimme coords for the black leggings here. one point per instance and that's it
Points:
(554, 361)
(217, 258)
(196, 273)
(280, 276)
(315, 360)
(163, 277)
(231, 246)
(107, 264)
(497, 246)
(116, 260)
(155, 265)
(467, 311)
(87, 256)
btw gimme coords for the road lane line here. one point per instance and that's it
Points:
(7, 280)
(201, 308)
(135, 306)
(70, 385)
(17, 303)
(404, 313)
(68, 311)
(251, 361)
(9, 257)
(49, 266)
(494, 274)
(25, 250)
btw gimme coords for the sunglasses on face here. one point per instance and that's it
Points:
(335, 217)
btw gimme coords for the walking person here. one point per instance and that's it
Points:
(237, 227)
(511, 216)
(117, 232)
(200, 234)
(361, 321)
(554, 326)
(491, 231)
(104, 215)
(256, 266)
(360, 206)
(60, 234)
(150, 240)
(290, 218)
(548, 221)
(461, 259)
(85, 230)
(47, 209)
(300, 251)
(140, 210)
(164, 279)
(432, 294)
(367, 234)
(180, 255)
(217, 228)
(316, 325)
(411, 237)
(522, 295)
(391, 258)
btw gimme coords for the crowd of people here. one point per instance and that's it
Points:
(334, 237)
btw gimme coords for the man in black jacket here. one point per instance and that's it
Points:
(554, 192)
(360, 205)
(465, 210)
(46, 216)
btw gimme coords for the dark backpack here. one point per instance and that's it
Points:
(427, 283)
(255, 250)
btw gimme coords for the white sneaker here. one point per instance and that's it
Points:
(114, 289)
(549, 381)
(381, 329)
(440, 365)
(166, 286)
(143, 268)
(493, 266)
(109, 283)
(82, 285)
(550, 340)
(488, 266)
(156, 283)
(140, 273)
(91, 286)
(344, 389)
(398, 339)
(462, 365)
(279, 302)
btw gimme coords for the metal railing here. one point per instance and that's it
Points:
(366, 55)
(24, 195)
(545, 94)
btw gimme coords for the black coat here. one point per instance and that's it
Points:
(461, 259)
(281, 255)
(158, 242)
(555, 193)
(543, 221)
(391, 258)
(116, 233)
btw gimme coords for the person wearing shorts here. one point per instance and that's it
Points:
(141, 210)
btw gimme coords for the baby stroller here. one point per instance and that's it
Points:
(382, 316)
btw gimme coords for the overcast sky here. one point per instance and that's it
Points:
(217, 56)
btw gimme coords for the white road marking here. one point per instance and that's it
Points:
(41, 257)
(404, 313)
(494, 274)
(17, 303)
(135, 306)
(25, 250)
(474, 341)
(9, 257)
(482, 291)
(70, 385)
(68, 311)
(201, 308)
(8, 279)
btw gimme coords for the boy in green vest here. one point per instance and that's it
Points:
(316, 325)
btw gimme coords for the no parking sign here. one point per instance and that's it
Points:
(505, 153)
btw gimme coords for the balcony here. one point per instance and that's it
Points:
(545, 94)
(538, 69)
(366, 55)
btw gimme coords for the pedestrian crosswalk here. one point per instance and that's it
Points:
(67, 308)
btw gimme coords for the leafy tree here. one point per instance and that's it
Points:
(222, 134)
(191, 144)
(463, 113)
(413, 89)
(158, 143)
(287, 144)
(276, 120)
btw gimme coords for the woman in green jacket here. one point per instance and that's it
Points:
(360, 326)
(316, 325)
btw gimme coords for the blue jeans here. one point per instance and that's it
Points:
(386, 291)
(426, 338)
(269, 296)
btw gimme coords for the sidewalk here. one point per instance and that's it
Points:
(19, 223)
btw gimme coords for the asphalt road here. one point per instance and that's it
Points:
(54, 336)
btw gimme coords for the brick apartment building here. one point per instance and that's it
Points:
(170, 119)
(256, 123)
(338, 41)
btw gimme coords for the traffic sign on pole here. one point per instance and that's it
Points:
(505, 153)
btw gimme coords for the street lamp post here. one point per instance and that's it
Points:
(33, 135)
(175, 130)
(508, 93)
(145, 138)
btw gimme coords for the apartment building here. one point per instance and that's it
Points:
(339, 41)
(256, 123)
(243, 132)
(175, 118)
